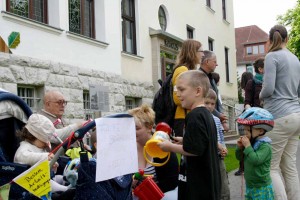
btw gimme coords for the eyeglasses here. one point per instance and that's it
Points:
(61, 103)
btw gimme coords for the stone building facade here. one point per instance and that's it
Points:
(72, 81)
(123, 45)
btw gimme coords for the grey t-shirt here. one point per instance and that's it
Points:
(281, 85)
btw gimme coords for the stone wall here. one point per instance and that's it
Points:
(230, 112)
(71, 81)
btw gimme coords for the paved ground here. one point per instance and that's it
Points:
(238, 182)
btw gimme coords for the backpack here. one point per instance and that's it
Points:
(163, 104)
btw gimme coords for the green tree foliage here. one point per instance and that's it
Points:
(292, 19)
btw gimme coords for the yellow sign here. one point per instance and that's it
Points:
(36, 180)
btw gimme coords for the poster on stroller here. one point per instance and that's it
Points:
(116, 148)
(36, 179)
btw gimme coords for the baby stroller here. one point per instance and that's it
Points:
(118, 188)
(14, 113)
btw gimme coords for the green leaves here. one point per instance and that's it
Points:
(13, 40)
(291, 19)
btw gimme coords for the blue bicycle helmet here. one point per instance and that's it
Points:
(258, 118)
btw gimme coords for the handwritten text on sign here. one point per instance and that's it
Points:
(36, 179)
(116, 147)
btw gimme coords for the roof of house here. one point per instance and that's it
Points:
(246, 36)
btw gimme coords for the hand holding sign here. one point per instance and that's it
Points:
(36, 180)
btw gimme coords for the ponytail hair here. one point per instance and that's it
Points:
(277, 36)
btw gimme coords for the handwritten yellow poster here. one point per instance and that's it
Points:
(4, 191)
(36, 180)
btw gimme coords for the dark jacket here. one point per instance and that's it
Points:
(252, 91)
(219, 107)
(167, 175)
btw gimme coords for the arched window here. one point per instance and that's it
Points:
(162, 18)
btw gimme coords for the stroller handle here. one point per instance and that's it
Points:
(79, 134)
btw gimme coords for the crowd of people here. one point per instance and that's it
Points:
(266, 150)
(276, 88)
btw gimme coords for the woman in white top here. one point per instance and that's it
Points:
(280, 93)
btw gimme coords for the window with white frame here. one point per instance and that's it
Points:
(261, 48)
(224, 9)
(227, 65)
(190, 32)
(82, 17)
(249, 50)
(208, 3)
(32, 9)
(128, 27)
(131, 102)
(210, 44)
(30, 96)
(255, 49)
(89, 114)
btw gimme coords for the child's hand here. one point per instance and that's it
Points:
(55, 166)
(177, 140)
(134, 183)
(87, 147)
(239, 143)
(82, 123)
(245, 141)
(50, 156)
(165, 145)
(224, 152)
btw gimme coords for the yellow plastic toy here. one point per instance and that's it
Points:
(151, 149)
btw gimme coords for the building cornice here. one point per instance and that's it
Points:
(164, 34)
(29, 22)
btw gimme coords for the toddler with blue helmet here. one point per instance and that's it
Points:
(254, 150)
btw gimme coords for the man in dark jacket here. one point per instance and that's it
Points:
(208, 65)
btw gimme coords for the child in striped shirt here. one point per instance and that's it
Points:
(210, 103)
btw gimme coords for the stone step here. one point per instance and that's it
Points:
(231, 137)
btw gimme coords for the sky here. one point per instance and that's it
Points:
(262, 13)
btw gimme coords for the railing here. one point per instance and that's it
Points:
(232, 112)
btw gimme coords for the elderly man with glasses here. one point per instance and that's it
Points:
(54, 108)
(208, 65)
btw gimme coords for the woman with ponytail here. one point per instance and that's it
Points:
(280, 93)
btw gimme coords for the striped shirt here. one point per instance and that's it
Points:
(220, 130)
(150, 170)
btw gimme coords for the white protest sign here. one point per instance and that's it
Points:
(116, 148)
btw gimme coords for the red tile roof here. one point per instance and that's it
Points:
(249, 35)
